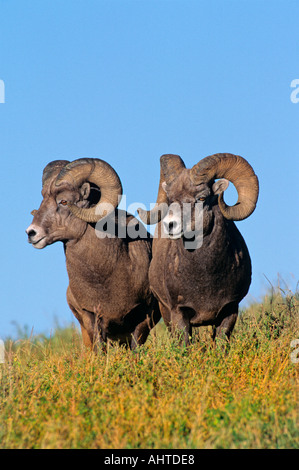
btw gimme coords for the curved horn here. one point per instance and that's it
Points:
(172, 165)
(170, 168)
(51, 168)
(238, 171)
(98, 172)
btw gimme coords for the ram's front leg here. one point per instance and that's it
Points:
(180, 325)
(100, 330)
(87, 333)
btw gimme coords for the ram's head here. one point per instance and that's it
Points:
(74, 194)
(204, 183)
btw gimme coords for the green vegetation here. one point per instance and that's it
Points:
(56, 394)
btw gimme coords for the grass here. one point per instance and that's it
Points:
(55, 394)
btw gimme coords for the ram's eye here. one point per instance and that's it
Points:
(201, 198)
(63, 203)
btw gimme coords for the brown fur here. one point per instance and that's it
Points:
(202, 286)
(108, 288)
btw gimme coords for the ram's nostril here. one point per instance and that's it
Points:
(172, 226)
(31, 233)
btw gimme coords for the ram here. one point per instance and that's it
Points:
(108, 288)
(205, 284)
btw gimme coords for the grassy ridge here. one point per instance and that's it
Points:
(55, 394)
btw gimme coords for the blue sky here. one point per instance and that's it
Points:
(128, 81)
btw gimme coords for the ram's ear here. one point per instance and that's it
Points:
(85, 190)
(220, 186)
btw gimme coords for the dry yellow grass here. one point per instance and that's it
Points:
(55, 394)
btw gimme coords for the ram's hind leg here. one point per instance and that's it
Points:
(143, 328)
(226, 321)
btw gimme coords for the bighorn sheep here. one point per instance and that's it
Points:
(201, 286)
(108, 276)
